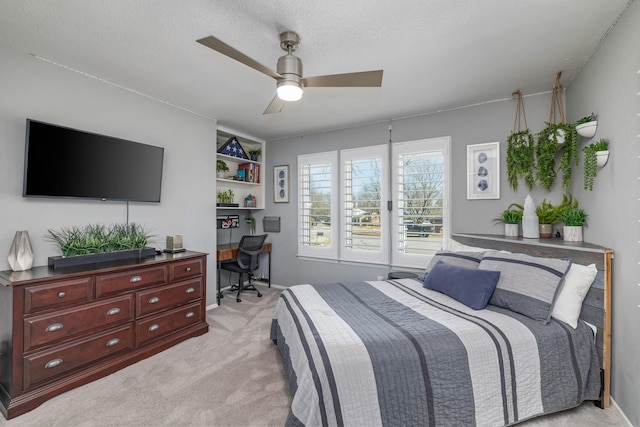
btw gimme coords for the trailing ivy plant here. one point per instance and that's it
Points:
(546, 149)
(591, 161)
(570, 154)
(521, 159)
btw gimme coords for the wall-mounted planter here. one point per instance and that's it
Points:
(602, 158)
(587, 130)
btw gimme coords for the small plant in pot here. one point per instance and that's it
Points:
(254, 154)
(591, 154)
(550, 214)
(574, 219)
(586, 126)
(221, 168)
(511, 217)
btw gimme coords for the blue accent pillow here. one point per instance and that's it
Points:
(470, 286)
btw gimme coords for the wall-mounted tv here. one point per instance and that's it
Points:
(64, 162)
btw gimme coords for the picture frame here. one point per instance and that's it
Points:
(483, 171)
(281, 184)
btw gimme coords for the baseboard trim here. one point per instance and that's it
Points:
(617, 408)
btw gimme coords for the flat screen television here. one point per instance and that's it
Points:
(64, 162)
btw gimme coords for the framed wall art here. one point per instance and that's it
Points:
(281, 184)
(483, 171)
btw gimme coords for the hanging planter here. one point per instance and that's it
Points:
(556, 137)
(602, 158)
(520, 150)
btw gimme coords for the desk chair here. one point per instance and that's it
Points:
(247, 261)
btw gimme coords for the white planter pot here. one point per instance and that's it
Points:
(560, 134)
(572, 234)
(511, 230)
(587, 130)
(602, 157)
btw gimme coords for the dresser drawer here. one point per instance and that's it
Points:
(162, 324)
(168, 296)
(62, 359)
(45, 329)
(107, 284)
(56, 294)
(185, 269)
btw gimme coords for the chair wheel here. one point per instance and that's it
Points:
(259, 295)
(238, 300)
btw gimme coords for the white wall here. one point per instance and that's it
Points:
(31, 88)
(608, 85)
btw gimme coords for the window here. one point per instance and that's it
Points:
(420, 186)
(318, 199)
(352, 203)
(364, 215)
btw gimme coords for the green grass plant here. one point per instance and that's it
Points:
(99, 238)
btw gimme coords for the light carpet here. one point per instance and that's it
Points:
(231, 376)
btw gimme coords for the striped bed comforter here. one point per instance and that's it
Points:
(393, 353)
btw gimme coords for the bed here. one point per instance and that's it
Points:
(396, 353)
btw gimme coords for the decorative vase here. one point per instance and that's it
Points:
(546, 231)
(20, 255)
(587, 130)
(511, 230)
(572, 233)
(602, 157)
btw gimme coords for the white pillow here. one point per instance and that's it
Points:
(569, 300)
(459, 247)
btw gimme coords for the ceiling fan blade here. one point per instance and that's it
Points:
(275, 106)
(360, 79)
(225, 49)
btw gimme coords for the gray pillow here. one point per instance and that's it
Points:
(528, 285)
(461, 259)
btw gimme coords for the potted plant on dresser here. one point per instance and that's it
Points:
(573, 219)
(511, 217)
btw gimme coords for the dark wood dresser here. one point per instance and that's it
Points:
(63, 328)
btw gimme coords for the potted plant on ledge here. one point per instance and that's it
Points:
(511, 217)
(574, 219)
(221, 168)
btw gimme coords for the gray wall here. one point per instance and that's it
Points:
(489, 122)
(35, 89)
(608, 85)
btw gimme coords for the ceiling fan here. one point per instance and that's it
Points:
(290, 83)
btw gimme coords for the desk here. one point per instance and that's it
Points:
(228, 252)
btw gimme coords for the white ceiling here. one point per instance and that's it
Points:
(436, 54)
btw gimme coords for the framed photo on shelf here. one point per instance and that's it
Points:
(483, 171)
(281, 184)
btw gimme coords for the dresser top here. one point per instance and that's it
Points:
(41, 273)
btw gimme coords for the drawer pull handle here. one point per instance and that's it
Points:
(113, 342)
(190, 290)
(53, 363)
(189, 314)
(154, 327)
(54, 327)
(135, 279)
(154, 300)
(188, 269)
(113, 311)
(62, 294)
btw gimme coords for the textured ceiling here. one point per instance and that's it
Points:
(436, 54)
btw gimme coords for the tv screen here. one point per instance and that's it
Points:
(64, 162)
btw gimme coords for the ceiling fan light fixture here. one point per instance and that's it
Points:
(289, 90)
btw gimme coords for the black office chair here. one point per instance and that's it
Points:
(247, 261)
